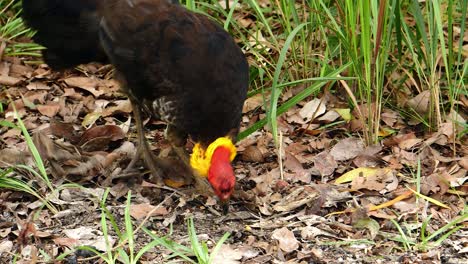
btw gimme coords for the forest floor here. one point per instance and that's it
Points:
(323, 196)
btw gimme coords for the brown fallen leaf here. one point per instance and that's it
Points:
(37, 86)
(64, 130)
(140, 211)
(312, 109)
(253, 154)
(6, 246)
(66, 241)
(50, 109)
(420, 103)
(287, 241)
(10, 157)
(389, 117)
(409, 143)
(91, 237)
(85, 83)
(383, 181)
(9, 81)
(229, 255)
(347, 149)
(99, 137)
(325, 163)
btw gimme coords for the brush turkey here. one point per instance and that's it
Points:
(176, 65)
(186, 70)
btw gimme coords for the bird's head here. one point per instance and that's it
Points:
(214, 162)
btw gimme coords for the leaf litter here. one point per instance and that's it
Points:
(330, 199)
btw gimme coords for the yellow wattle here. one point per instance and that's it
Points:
(200, 160)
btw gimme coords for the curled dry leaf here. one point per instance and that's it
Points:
(253, 154)
(98, 137)
(312, 109)
(287, 241)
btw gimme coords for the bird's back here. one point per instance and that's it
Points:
(183, 67)
(67, 28)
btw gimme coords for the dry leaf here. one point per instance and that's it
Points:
(382, 181)
(312, 110)
(37, 86)
(253, 103)
(85, 83)
(140, 211)
(420, 103)
(91, 237)
(347, 149)
(229, 255)
(252, 154)
(51, 109)
(325, 163)
(287, 241)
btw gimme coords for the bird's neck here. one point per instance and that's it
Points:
(202, 159)
(221, 156)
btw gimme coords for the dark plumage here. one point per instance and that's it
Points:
(185, 69)
(67, 28)
(181, 66)
(176, 65)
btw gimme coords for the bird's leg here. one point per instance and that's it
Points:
(178, 140)
(143, 146)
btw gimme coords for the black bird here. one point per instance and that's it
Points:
(175, 65)
(185, 69)
(67, 28)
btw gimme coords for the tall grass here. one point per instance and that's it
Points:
(315, 43)
(438, 58)
(312, 43)
(13, 28)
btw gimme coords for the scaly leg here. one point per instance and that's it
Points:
(178, 140)
(144, 148)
